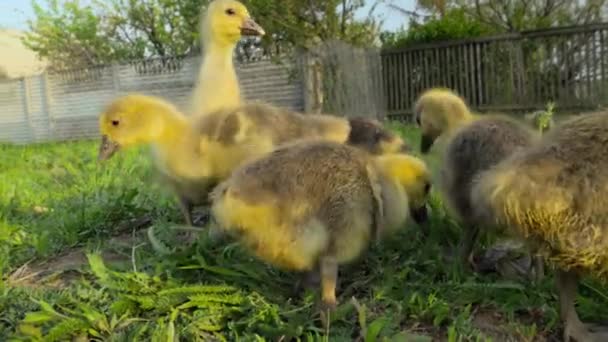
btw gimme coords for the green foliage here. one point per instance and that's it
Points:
(393, 39)
(519, 15)
(295, 23)
(72, 34)
(157, 28)
(69, 34)
(125, 302)
(455, 24)
(56, 196)
(546, 117)
(542, 119)
(452, 20)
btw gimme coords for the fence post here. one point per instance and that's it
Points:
(310, 66)
(521, 83)
(306, 79)
(46, 97)
(27, 108)
(378, 84)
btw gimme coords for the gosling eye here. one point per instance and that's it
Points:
(115, 123)
(230, 11)
(427, 188)
(377, 136)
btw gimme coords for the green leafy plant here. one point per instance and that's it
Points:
(543, 119)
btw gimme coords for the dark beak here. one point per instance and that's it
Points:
(420, 215)
(251, 28)
(107, 148)
(425, 143)
(405, 148)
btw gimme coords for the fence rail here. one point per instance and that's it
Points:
(510, 72)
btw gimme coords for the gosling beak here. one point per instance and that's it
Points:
(420, 215)
(405, 148)
(425, 143)
(107, 148)
(251, 28)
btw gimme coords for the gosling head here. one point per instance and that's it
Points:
(371, 135)
(437, 111)
(413, 175)
(226, 21)
(128, 121)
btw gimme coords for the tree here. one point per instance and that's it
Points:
(438, 7)
(303, 23)
(519, 15)
(70, 35)
(458, 19)
(157, 28)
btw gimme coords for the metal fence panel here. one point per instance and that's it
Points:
(66, 105)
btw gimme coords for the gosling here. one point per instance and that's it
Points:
(475, 143)
(313, 205)
(555, 195)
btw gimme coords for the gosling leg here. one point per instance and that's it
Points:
(328, 267)
(567, 283)
(186, 208)
(539, 268)
(204, 218)
(466, 246)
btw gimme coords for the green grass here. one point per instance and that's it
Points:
(57, 201)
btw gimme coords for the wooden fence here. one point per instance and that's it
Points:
(511, 72)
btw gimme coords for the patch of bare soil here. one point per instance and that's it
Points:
(493, 324)
(61, 270)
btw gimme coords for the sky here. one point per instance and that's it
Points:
(15, 13)
(393, 20)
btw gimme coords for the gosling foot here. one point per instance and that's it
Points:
(328, 267)
(574, 329)
(326, 308)
(580, 332)
(202, 219)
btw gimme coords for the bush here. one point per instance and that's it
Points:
(456, 24)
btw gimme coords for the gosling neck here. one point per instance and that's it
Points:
(217, 52)
(217, 85)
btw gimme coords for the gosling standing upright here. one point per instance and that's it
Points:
(222, 24)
